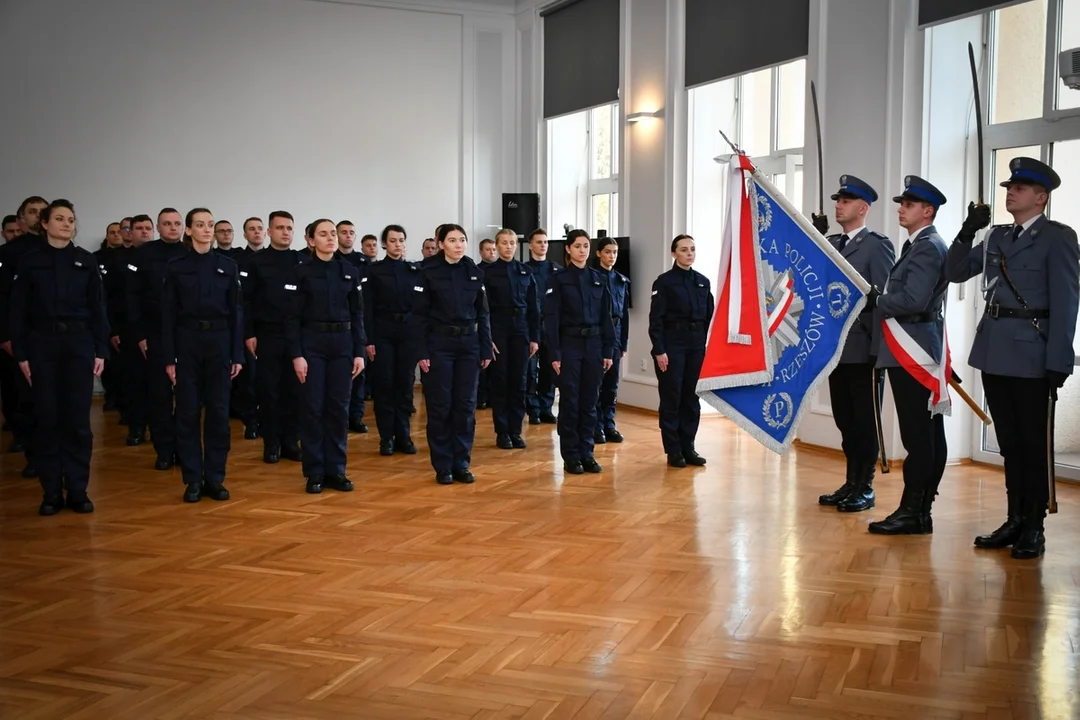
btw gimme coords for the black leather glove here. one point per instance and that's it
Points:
(1057, 379)
(871, 298)
(978, 217)
(821, 223)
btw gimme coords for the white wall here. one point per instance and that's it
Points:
(379, 114)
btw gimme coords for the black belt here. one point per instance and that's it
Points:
(924, 317)
(997, 311)
(582, 331)
(327, 327)
(204, 325)
(63, 326)
(509, 311)
(455, 330)
(685, 325)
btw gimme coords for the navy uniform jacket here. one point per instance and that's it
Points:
(388, 294)
(145, 283)
(324, 291)
(194, 284)
(543, 271)
(57, 285)
(679, 296)
(915, 296)
(872, 255)
(513, 299)
(356, 259)
(619, 286)
(1043, 264)
(450, 294)
(234, 253)
(263, 277)
(113, 265)
(10, 254)
(576, 298)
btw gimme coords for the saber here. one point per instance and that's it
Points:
(978, 114)
(820, 157)
(879, 391)
(1051, 478)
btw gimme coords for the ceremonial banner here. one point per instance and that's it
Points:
(802, 303)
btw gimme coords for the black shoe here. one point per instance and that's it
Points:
(464, 476)
(590, 465)
(135, 440)
(676, 460)
(1006, 535)
(50, 505)
(908, 519)
(17, 447)
(518, 442)
(314, 485)
(858, 501)
(503, 442)
(574, 467)
(837, 496)
(598, 437)
(81, 505)
(164, 464)
(271, 456)
(1030, 545)
(386, 447)
(613, 435)
(482, 406)
(251, 432)
(548, 419)
(215, 491)
(534, 419)
(368, 397)
(338, 482)
(358, 426)
(291, 452)
(692, 458)
(193, 493)
(29, 471)
(404, 445)
(444, 478)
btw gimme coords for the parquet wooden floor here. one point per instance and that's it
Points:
(644, 592)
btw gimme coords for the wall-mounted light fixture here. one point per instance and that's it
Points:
(639, 116)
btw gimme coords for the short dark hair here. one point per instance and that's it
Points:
(389, 229)
(126, 217)
(110, 225)
(427, 240)
(56, 205)
(448, 228)
(166, 211)
(141, 218)
(369, 236)
(30, 201)
(534, 233)
(675, 242)
(486, 241)
(280, 214)
(221, 222)
(8, 219)
(250, 219)
(345, 222)
(193, 212)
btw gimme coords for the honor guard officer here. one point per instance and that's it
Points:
(453, 335)
(203, 348)
(60, 339)
(914, 297)
(540, 388)
(325, 331)
(515, 331)
(853, 384)
(361, 262)
(266, 303)
(607, 252)
(1024, 341)
(388, 303)
(679, 317)
(144, 283)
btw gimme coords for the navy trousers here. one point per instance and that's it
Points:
(392, 375)
(609, 392)
(580, 376)
(62, 373)
(160, 408)
(134, 380)
(325, 396)
(680, 407)
(506, 380)
(541, 384)
(203, 366)
(278, 393)
(244, 402)
(450, 395)
(357, 406)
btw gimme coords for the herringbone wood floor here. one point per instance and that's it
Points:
(642, 592)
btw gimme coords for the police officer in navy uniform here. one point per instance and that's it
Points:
(1024, 341)
(488, 255)
(266, 304)
(453, 335)
(914, 296)
(679, 317)
(203, 347)
(388, 300)
(607, 252)
(541, 380)
(346, 239)
(853, 384)
(580, 337)
(515, 330)
(325, 331)
(143, 285)
(59, 336)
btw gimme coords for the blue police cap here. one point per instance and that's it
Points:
(915, 188)
(1033, 172)
(853, 187)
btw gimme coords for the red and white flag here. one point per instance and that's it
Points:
(931, 374)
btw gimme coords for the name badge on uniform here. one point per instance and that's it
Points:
(290, 287)
(104, 271)
(596, 283)
(655, 291)
(549, 291)
(348, 277)
(243, 274)
(363, 280)
(472, 277)
(221, 271)
(78, 264)
(132, 268)
(701, 284)
(418, 288)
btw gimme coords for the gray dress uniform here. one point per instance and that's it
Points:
(853, 383)
(915, 297)
(1023, 346)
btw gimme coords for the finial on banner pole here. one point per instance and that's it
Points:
(734, 148)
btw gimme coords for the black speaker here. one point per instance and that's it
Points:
(521, 212)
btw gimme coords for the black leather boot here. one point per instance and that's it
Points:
(861, 496)
(907, 519)
(1008, 533)
(1032, 542)
(841, 493)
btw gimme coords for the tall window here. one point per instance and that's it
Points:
(764, 113)
(583, 171)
